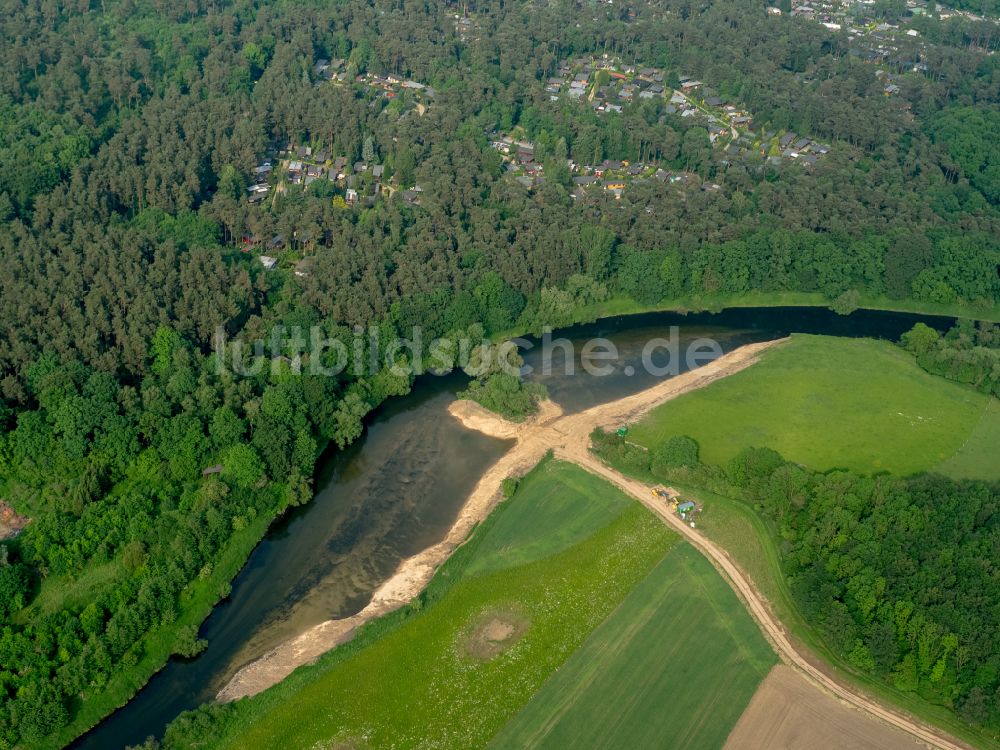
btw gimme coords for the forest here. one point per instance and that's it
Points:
(130, 130)
(967, 353)
(898, 576)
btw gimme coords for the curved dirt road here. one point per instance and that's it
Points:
(569, 437)
(755, 604)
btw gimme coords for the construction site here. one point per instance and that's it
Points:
(686, 510)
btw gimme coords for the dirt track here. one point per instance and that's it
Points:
(755, 603)
(569, 437)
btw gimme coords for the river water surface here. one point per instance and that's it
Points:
(399, 488)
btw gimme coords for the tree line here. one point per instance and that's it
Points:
(969, 353)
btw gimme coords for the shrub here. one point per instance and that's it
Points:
(752, 464)
(509, 486)
(677, 452)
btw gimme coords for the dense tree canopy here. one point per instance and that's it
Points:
(969, 354)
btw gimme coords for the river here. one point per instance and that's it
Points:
(398, 489)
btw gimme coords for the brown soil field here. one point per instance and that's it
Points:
(788, 712)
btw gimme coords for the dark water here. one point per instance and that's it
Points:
(571, 386)
(398, 490)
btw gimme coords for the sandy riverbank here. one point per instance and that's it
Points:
(548, 430)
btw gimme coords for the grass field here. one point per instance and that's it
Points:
(977, 458)
(444, 677)
(674, 666)
(754, 545)
(566, 506)
(829, 403)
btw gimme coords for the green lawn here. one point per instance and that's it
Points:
(977, 458)
(555, 560)
(828, 402)
(566, 506)
(57, 592)
(674, 666)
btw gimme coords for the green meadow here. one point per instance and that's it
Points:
(501, 616)
(828, 403)
(571, 613)
(674, 666)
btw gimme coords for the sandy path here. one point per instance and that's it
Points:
(569, 437)
(414, 573)
(757, 607)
